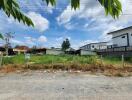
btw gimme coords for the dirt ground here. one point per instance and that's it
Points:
(41, 85)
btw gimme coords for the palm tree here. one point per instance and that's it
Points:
(11, 8)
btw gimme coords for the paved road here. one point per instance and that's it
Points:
(63, 86)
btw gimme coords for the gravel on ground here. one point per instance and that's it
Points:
(42, 85)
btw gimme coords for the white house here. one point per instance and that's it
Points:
(122, 37)
(95, 46)
(54, 51)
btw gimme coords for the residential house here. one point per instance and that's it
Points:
(94, 46)
(122, 37)
(21, 49)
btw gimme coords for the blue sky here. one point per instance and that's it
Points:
(54, 24)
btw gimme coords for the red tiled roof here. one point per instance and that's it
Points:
(23, 48)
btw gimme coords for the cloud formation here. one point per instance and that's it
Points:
(42, 39)
(41, 23)
(95, 19)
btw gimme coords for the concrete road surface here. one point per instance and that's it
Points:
(39, 85)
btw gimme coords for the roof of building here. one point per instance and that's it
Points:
(94, 43)
(56, 49)
(98, 42)
(22, 48)
(120, 30)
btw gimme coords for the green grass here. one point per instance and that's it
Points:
(116, 60)
(112, 60)
(48, 59)
(19, 59)
(65, 59)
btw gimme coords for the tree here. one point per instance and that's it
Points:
(1, 36)
(65, 45)
(12, 8)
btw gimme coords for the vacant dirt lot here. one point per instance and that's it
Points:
(40, 85)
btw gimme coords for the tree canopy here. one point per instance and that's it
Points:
(66, 44)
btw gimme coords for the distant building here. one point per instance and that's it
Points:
(54, 51)
(94, 46)
(83, 52)
(21, 49)
(122, 37)
(39, 51)
(70, 51)
(3, 51)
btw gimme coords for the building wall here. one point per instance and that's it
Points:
(54, 52)
(86, 52)
(86, 47)
(19, 51)
(95, 46)
(130, 38)
(99, 46)
(122, 41)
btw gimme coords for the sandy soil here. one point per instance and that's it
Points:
(38, 85)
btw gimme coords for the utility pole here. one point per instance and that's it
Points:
(8, 36)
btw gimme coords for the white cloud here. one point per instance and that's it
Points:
(30, 38)
(70, 26)
(11, 23)
(29, 41)
(86, 10)
(66, 15)
(106, 37)
(95, 19)
(17, 42)
(87, 42)
(36, 6)
(41, 23)
(42, 39)
(61, 39)
(58, 41)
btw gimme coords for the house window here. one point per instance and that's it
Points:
(93, 46)
(123, 36)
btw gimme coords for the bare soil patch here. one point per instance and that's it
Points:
(107, 70)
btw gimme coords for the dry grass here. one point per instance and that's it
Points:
(8, 69)
(108, 70)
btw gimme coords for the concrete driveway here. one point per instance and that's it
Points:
(40, 85)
